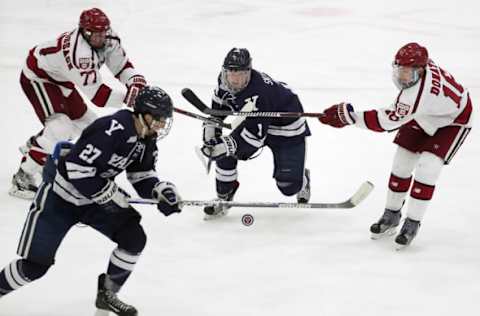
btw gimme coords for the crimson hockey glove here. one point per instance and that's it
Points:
(338, 115)
(220, 147)
(168, 198)
(134, 85)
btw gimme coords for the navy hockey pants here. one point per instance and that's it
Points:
(51, 217)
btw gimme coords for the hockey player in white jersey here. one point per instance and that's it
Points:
(433, 115)
(51, 77)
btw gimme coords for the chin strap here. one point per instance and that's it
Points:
(144, 126)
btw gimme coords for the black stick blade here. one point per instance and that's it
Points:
(192, 98)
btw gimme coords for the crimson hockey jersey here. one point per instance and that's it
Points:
(435, 101)
(70, 61)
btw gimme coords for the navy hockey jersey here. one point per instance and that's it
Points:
(107, 147)
(263, 94)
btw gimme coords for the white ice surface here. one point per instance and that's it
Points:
(290, 262)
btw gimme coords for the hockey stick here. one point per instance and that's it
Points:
(207, 163)
(362, 192)
(191, 97)
(203, 118)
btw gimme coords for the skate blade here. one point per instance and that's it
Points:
(399, 247)
(22, 194)
(221, 214)
(101, 312)
(389, 232)
(24, 150)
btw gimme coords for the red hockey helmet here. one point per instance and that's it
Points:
(412, 55)
(94, 20)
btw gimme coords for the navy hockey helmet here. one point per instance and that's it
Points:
(238, 59)
(236, 70)
(156, 102)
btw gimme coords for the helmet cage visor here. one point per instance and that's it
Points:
(161, 126)
(405, 76)
(235, 80)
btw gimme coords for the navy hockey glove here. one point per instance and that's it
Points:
(223, 98)
(134, 85)
(168, 198)
(338, 115)
(220, 147)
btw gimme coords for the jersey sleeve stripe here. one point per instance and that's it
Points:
(250, 139)
(371, 121)
(128, 64)
(32, 65)
(464, 117)
(135, 177)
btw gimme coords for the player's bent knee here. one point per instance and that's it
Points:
(132, 238)
(289, 188)
(33, 270)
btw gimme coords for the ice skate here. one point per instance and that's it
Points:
(23, 185)
(303, 196)
(386, 225)
(25, 148)
(107, 300)
(407, 233)
(214, 212)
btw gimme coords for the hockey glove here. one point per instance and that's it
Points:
(338, 115)
(222, 98)
(210, 130)
(112, 198)
(168, 198)
(134, 85)
(220, 147)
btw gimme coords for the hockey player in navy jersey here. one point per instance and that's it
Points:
(242, 88)
(79, 187)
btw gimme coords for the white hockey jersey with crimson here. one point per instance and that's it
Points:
(70, 61)
(435, 101)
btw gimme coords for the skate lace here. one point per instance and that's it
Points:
(114, 301)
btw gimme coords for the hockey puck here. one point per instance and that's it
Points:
(247, 219)
(209, 210)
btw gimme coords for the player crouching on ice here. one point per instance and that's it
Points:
(433, 113)
(242, 88)
(79, 187)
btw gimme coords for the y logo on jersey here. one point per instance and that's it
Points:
(250, 104)
(114, 126)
